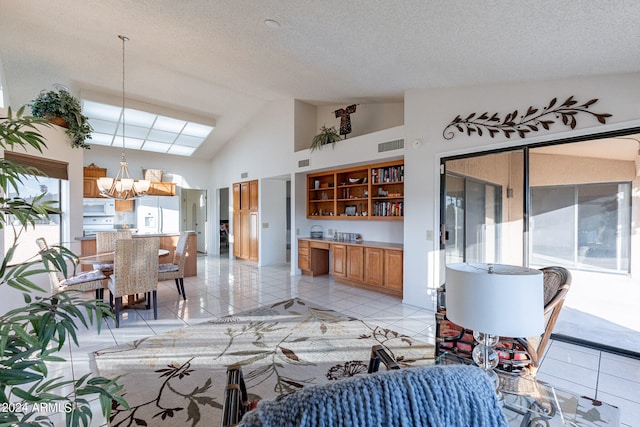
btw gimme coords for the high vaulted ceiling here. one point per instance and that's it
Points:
(218, 59)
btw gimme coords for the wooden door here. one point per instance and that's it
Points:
(393, 269)
(339, 260)
(355, 263)
(374, 266)
(253, 236)
(253, 195)
(236, 197)
(244, 195)
(245, 235)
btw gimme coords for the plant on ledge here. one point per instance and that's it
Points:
(33, 334)
(326, 136)
(63, 109)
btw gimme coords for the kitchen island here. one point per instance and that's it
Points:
(372, 265)
(168, 241)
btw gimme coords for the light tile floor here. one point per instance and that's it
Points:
(225, 286)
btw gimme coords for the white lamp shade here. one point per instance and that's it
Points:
(509, 301)
(104, 184)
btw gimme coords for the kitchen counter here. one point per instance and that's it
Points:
(139, 235)
(168, 241)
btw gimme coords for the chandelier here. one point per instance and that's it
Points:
(123, 187)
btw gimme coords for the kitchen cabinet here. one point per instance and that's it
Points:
(245, 220)
(124, 205)
(90, 175)
(162, 189)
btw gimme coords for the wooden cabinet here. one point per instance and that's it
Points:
(339, 267)
(313, 257)
(355, 263)
(162, 189)
(393, 269)
(370, 192)
(374, 266)
(245, 220)
(124, 205)
(90, 188)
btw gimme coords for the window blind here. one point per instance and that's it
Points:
(51, 168)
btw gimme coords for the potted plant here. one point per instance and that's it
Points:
(326, 136)
(33, 334)
(63, 109)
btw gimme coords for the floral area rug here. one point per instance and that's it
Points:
(179, 378)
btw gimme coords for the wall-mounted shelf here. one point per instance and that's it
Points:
(370, 192)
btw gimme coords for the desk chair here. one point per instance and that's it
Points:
(135, 271)
(88, 281)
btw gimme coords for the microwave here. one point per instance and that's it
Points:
(98, 207)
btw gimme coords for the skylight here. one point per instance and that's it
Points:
(144, 130)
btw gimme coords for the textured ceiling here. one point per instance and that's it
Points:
(217, 58)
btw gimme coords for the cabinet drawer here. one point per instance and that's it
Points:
(319, 245)
(303, 243)
(303, 262)
(303, 251)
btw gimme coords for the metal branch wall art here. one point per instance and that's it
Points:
(523, 124)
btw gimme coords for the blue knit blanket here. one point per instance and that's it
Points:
(443, 396)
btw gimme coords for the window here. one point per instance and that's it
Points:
(33, 186)
(582, 226)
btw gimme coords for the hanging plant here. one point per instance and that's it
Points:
(326, 136)
(63, 109)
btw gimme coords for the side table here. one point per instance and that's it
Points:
(530, 402)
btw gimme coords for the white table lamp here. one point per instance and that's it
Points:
(494, 300)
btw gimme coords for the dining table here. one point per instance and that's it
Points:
(108, 258)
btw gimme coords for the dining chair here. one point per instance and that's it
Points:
(87, 281)
(135, 271)
(106, 242)
(175, 269)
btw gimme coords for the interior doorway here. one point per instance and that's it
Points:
(223, 226)
(194, 210)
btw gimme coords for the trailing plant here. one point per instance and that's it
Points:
(60, 103)
(326, 136)
(31, 336)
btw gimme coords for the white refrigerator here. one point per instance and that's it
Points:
(158, 214)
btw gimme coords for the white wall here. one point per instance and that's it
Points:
(273, 222)
(58, 148)
(428, 111)
(368, 118)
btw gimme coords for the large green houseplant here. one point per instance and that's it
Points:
(62, 108)
(32, 335)
(326, 136)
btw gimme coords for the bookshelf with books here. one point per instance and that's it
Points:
(369, 192)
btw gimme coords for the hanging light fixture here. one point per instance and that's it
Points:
(123, 187)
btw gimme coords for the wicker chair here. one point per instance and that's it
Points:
(106, 242)
(88, 281)
(517, 355)
(175, 270)
(135, 272)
